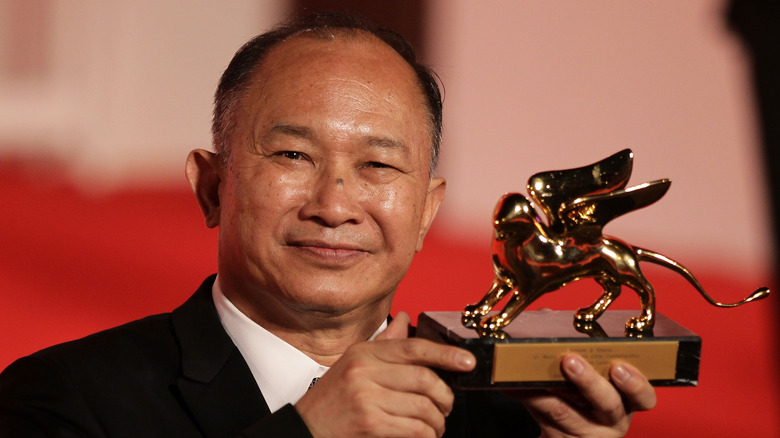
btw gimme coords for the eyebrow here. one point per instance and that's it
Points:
(387, 143)
(293, 130)
(372, 141)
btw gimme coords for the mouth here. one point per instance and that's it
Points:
(329, 254)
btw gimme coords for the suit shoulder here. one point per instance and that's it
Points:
(126, 348)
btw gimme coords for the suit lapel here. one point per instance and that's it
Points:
(216, 384)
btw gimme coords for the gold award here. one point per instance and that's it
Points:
(532, 258)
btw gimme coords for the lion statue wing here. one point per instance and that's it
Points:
(589, 214)
(553, 190)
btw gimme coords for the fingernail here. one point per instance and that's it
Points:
(620, 374)
(465, 360)
(574, 365)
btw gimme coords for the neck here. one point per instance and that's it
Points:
(322, 334)
(325, 346)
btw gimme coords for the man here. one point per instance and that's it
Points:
(326, 135)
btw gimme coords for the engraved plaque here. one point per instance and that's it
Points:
(530, 354)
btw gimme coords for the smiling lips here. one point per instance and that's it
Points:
(328, 254)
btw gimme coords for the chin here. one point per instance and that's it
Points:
(335, 302)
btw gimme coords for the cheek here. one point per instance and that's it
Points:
(267, 186)
(259, 202)
(397, 212)
(389, 201)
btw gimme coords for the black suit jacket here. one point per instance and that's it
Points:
(176, 375)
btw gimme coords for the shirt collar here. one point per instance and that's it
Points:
(282, 372)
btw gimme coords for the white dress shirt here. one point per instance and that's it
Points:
(282, 372)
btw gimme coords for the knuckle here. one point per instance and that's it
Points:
(448, 397)
(437, 420)
(360, 400)
(411, 348)
(356, 350)
(354, 372)
(366, 420)
(421, 429)
(559, 412)
(430, 383)
(366, 425)
(649, 403)
(425, 376)
(425, 407)
(615, 412)
(641, 402)
(642, 398)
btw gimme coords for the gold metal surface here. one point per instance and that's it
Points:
(541, 362)
(531, 258)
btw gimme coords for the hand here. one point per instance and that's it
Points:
(596, 407)
(385, 388)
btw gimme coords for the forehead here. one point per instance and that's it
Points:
(355, 68)
(351, 54)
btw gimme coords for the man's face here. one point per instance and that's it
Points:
(326, 195)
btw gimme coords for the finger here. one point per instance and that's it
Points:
(550, 411)
(420, 381)
(424, 352)
(397, 329)
(396, 427)
(638, 394)
(571, 396)
(362, 414)
(603, 397)
(415, 406)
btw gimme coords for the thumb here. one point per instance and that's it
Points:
(398, 328)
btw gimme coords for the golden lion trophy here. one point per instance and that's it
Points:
(531, 258)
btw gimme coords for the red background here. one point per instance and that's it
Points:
(72, 264)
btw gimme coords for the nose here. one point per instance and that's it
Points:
(334, 201)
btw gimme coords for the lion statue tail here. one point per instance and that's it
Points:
(660, 259)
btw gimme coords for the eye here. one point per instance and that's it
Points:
(378, 165)
(291, 155)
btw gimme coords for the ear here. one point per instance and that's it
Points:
(203, 171)
(432, 201)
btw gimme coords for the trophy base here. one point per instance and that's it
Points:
(530, 354)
